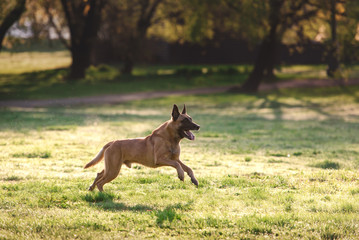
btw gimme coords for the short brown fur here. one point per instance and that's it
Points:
(160, 148)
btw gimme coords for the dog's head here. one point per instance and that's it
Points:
(183, 123)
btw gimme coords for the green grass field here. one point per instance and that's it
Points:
(279, 165)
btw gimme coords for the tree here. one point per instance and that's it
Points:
(146, 13)
(83, 19)
(56, 21)
(125, 27)
(282, 16)
(342, 24)
(348, 30)
(10, 18)
(339, 19)
(264, 63)
(333, 58)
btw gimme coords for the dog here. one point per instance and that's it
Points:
(160, 148)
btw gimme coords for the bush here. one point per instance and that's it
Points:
(228, 70)
(189, 71)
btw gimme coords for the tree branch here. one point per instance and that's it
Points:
(153, 9)
(57, 29)
(232, 6)
(146, 16)
(11, 18)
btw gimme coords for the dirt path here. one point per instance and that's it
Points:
(107, 99)
(120, 98)
(308, 83)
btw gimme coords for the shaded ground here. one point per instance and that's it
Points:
(119, 98)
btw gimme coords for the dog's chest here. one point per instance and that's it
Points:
(174, 152)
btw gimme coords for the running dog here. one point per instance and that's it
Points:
(160, 148)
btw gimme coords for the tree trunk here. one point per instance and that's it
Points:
(131, 53)
(269, 70)
(135, 44)
(128, 64)
(11, 18)
(333, 56)
(83, 20)
(264, 58)
(264, 64)
(80, 62)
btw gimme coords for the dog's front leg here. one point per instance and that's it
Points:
(190, 173)
(173, 163)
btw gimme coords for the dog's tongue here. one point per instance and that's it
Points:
(190, 135)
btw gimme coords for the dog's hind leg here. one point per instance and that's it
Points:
(108, 177)
(112, 169)
(190, 173)
(98, 177)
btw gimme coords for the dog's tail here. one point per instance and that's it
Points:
(99, 156)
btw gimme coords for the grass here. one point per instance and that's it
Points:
(327, 165)
(256, 159)
(42, 75)
(276, 165)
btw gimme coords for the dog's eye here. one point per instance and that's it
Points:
(186, 120)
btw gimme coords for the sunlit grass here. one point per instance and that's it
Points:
(23, 62)
(301, 72)
(266, 165)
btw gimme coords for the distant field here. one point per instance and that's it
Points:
(42, 75)
(280, 165)
(26, 62)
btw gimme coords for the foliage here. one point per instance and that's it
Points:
(125, 27)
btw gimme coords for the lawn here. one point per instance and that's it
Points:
(42, 75)
(280, 165)
(276, 165)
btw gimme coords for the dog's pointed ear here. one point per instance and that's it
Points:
(175, 112)
(184, 111)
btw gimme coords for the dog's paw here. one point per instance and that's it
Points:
(194, 181)
(181, 177)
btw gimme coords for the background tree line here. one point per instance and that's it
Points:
(127, 24)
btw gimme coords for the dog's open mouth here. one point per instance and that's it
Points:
(188, 134)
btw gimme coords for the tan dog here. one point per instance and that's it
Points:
(160, 148)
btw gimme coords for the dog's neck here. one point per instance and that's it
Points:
(169, 130)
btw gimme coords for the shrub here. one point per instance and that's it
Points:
(189, 71)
